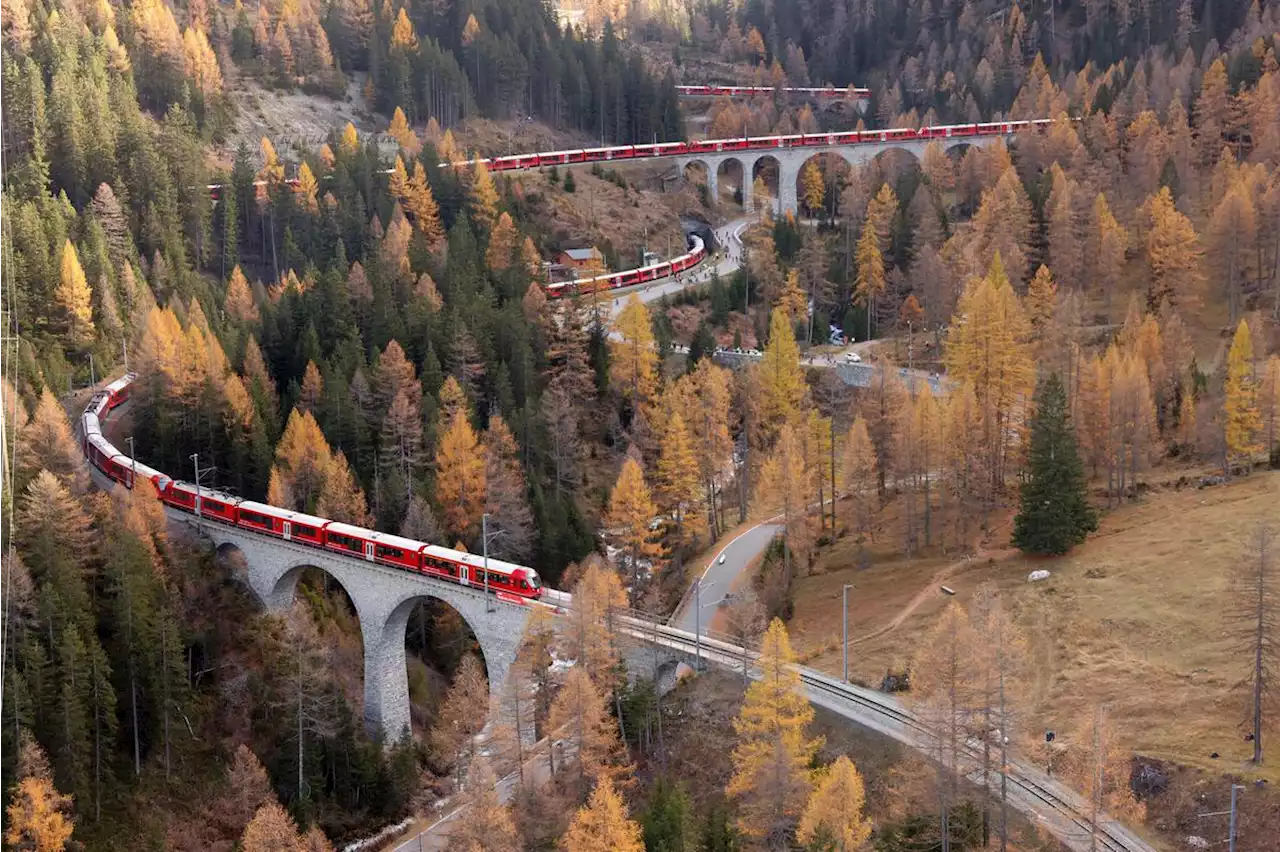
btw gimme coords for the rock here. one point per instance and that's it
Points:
(1147, 780)
(1037, 576)
(895, 682)
(1196, 842)
(1209, 481)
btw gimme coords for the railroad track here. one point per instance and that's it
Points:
(1045, 802)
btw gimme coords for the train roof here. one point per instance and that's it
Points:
(121, 383)
(286, 514)
(373, 535)
(207, 493)
(474, 560)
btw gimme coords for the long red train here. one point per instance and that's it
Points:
(508, 581)
(751, 91)
(631, 277)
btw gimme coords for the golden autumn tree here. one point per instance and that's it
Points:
(1173, 255)
(579, 709)
(460, 478)
(483, 197)
(403, 36)
(1269, 403)
(1098, 766)
(271, 830)
(400, 131)
(634, 366)
(239, 301)
(603, 824)
(74, 299)
(307, 189)
(770, 781)
(834, 814)
(302, 462)
(631, 511)
(782, 386)
(677, 479)
(792, 298)
(487, 826)
(859, 477)
(502, 244)
(350, 142)
(1108, 243)
(1242, 423)
(47, 443)
(813, 186)
(38, 815)
(312, 388)
(201, 62)
(462, 715)
(782, 485)
(871, 275)
(989, 346)
(1041, 293)
(589, 635)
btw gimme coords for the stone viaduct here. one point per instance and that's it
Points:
(791, 160)
(384, 599)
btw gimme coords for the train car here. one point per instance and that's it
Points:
(281, 523)
(205, 502)
(374, 546)
(118, 391)
(469, 570)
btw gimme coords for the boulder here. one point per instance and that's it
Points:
(1037, 576)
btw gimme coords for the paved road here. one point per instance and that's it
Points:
(718, 579)
(728, 235)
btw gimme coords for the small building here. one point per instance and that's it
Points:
(581, 258)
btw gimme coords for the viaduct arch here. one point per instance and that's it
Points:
(384, 599)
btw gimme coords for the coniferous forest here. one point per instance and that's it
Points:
(364, 334)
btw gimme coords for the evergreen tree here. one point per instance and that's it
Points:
(1055, 514)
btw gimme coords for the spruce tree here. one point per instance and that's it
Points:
(1055, 514)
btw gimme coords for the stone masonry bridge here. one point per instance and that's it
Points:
(791, 160)
(384, 598)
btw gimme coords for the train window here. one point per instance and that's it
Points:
(303, 529)
(345, 541)
(524, 584)
(213, 505)
(390, 552)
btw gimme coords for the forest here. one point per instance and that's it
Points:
(367, 338)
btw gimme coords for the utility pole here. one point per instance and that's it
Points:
(133, 463)
(844, 631)
(124, 347)
(1231, 817)
(195, 459)
(93, 377)
(484, 538)
(697, 621)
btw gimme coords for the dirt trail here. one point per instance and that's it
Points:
(929, 590)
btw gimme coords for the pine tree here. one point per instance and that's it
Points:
(1269, 406)
(1055, 514)
(510, 519)
(792, 299)
(403, 133)
(307, 189)
(771, 780)
(312, 389)
(1041, 294)
(74, 298)
(1242, 422)
(859, 477)
(420, 203)
(834, 814)
(631, 511)
(603, 824)
(460, 478)
(1108, 243)
(47, 444)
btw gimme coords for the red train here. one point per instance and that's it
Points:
(506, 580)
(631, 277)
(751, 91)
(521, 162)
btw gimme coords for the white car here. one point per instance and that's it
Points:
(722, 559)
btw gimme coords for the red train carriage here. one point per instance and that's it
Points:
(374, 546)
(282, 523)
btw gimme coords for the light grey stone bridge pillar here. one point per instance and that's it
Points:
(384, 598)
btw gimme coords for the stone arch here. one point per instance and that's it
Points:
(695, 171)
(395, 632)
(729, 178)
(669, 675)
(836, 167)
(767, 167)
(285, 589)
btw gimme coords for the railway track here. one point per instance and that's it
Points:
(1044, 801)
